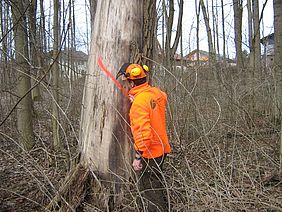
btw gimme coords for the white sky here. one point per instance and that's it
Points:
(189, 24)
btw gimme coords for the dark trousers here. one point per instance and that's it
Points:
(151, 185)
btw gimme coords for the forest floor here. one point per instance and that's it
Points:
(29, 181)
(231, 168)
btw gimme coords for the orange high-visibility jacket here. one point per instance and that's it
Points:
(147, 121)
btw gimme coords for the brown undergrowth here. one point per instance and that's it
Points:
(225, 149)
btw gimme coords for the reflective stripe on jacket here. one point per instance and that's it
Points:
(147, 121)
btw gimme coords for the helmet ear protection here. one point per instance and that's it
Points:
(146, 68)
(137, 71)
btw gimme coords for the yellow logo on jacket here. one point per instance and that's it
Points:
(153, 103)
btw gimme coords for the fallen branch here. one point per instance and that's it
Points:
(72, 191)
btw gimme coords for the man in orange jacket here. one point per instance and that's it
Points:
(147, 121)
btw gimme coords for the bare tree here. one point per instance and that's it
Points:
(149, 30)
(250, 29)
(87, 24)
(42, 28)
(34, 53)
(254, 35)
(104, 129)
(55, 77)
(278, 63)
(278, 31)
(215, 26)
(169, 18)
(179, 27)
(4, 11)
(70, 47)
(223, 31)
(93, 6)
(24, 110)
(209, 34)
(257, 49)
(238, 11)
(197, 9)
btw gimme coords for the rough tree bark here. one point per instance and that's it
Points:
(149, 30)
(215, 27)
(238, 10)
(42, 28)
(55, 77)
(104, 128)
(168, 23)
(277, 4)
(197, 9)
(24, 110)
(209, 34)
(34, 53)
(254, 36)
(179, 28)
(170, 51)
(250, 29)
(93, 6)
(4, 44)
(223, 31)
(257, 49)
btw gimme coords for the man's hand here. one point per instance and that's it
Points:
(137, 164)
(131, 98)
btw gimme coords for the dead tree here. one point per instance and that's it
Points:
(24, 111)
(104, 128)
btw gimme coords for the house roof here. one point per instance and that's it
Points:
(266, 38)
(75, 55)
(203, 55)
(195, 51)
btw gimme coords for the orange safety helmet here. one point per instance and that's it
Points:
(132, 71)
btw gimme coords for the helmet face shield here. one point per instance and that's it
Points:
(122, 71)
(132, 71)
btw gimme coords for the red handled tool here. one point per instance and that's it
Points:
(102, 66)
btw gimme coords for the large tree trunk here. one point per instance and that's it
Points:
(42, 28)
(254, 43)
(278, 63)
(223, 31)
(93, 6)
(209, 34)
(42, 41)
(197, 9)
(55, 75)
(4, 55)
(104, 132)
(169, 18)
(278, 31)
(238, 10)
(168, 23)
(149, 30)
(179, 28)
(250, 29)
(24, 111)
(215, 27)
(34, 53)
(257, 48)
